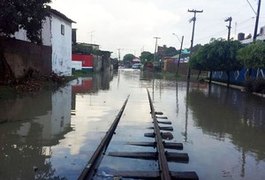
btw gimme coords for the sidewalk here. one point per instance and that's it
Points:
(241, 88)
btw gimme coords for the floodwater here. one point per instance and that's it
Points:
(52, 134)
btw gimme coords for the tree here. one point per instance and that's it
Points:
(127, 59)
(253, 55)
(171, 51)
(81, 48)
(218, 55)
(227, 56)
(196, 59)
(17, 14)
(146, 56)
(26, 14)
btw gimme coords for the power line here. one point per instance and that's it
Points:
(252, 7)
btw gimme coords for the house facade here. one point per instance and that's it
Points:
(57, 33)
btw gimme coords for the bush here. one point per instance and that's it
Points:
(257, 86)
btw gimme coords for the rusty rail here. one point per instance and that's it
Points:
(92, 166)
(162, 159)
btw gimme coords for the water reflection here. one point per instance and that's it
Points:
(93, 83)
(46, 136)
(226, 113)
(32, 125)
(33, 130)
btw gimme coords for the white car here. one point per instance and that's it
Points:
(136, 66)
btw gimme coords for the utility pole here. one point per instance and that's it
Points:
(229, 19)
(192, 35)
(257, 22)
(156, 47)
(91, 36)
(119, 54)
(180, 50)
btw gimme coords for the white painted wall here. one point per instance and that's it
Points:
(21, 35)
(61, 110)
(61, 46)
(77, 65)
(46, 32)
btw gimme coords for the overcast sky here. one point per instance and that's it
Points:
(131, 25)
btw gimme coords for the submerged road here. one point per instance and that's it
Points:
(221, 130)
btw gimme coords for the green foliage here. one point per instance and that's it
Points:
(164, 51)
(26, 14)
(218, 55)
(171, 51)
(127, 59)
(80, 48)
(105, 54)
(253, 55)
(83, 48)
(146, 57)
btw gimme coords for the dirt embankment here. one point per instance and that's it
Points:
(33, 81)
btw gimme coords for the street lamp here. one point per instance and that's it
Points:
(174, 34)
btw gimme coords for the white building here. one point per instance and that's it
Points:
(57, 33)
(260, 36)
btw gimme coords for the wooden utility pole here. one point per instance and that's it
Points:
(257, 22)
(229, 19)
(180, 50)
(181, 44)
(156, 38)
(119, 54)
(192, 35)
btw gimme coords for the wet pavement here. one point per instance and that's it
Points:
(52, 134)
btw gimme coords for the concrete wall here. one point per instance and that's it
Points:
(61, 46)
(105, 62)
(97, 64)
(239, 77)
(22, 55)
(46, 32)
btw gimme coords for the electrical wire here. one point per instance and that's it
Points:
(252, 7)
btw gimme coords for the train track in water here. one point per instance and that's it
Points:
(161, 135)
(94, 162)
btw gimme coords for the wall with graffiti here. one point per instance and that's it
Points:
(239, 77)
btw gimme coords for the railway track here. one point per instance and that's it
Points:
(96, 158)
(161, 135)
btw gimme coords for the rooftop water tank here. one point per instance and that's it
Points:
(241, 36)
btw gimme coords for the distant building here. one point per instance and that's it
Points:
(248, 39)
(136, 60)
(57, 33)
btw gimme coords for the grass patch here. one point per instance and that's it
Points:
(81, 73)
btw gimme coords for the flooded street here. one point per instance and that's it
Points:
(52, 134)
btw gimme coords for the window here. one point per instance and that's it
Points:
(62, 29)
